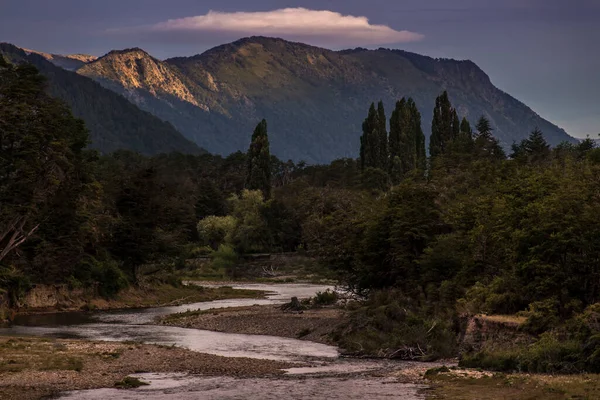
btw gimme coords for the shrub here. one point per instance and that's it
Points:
(225, 258)
(213, 230)
(391, 325)
(14, 283)
(325, 298)
(106, 273)
(550, 354)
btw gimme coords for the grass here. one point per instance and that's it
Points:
(21, 354)
(164, 295)
(504, 319)
(457, 386)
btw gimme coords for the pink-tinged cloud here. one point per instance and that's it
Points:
(317, 26)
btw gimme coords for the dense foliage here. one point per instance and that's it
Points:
(474, 233)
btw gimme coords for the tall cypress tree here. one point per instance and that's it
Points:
(394, 146)
(443, 129)
(407, 141)
(370, 140)
(455, 125)
(421, 155)
(383, 137)
(259, 161)
(396, 129)
(464, 142)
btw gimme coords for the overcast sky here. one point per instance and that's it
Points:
(544, 52)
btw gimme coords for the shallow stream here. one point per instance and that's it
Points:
(325, 375)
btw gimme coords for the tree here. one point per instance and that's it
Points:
(486, 145)
(259, 161)
(421, 156)
(41, 145)
(444, 127)
(464, 142)
(396, 126)
(536, 147)
(214, 231)
(250, 234)
(407, 142)
(371, 149)
(383, 137)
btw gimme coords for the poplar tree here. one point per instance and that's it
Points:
(370, 140)
(407, 141)
(444, 126)
(383, 138)
(259, 161)
(421, 155)
(396, 128)
(464, 142)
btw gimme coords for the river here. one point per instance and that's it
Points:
(319, 378)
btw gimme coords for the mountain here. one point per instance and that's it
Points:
(314, 99)
(114, 122)
(69, 62)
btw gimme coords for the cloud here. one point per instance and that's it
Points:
(316, 26)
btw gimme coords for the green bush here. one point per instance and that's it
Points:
(225, 259)
(106, 274)
(13, 282)
(328, 297)
(541, 316)
(550, 354)
(391, 325)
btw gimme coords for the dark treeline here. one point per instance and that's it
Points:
(467, 230)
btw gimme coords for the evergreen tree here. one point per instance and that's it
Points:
(486, 145)
(383, 137)
(444, 127)
(465, 128)
(464, 142)
(370, 140)
(396, 129)
(421, 155)
(407, 141)
(533, 149)
(455, 125)
(259, 161)
(536, 147)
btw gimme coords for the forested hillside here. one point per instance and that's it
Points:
(114, 123)
(427, 242)
(312, 97)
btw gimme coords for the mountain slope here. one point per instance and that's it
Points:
(69, 62)
(114, 122)
(314, 99)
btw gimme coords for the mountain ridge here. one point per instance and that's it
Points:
(313, 98)
(114, 123)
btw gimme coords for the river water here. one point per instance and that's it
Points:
(320, 377)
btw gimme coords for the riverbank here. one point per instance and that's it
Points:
(469, 384)
(314, 325)
(50, 299)
(34, 368)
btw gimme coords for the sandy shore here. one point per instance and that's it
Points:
(314, 325)
(32, 368)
